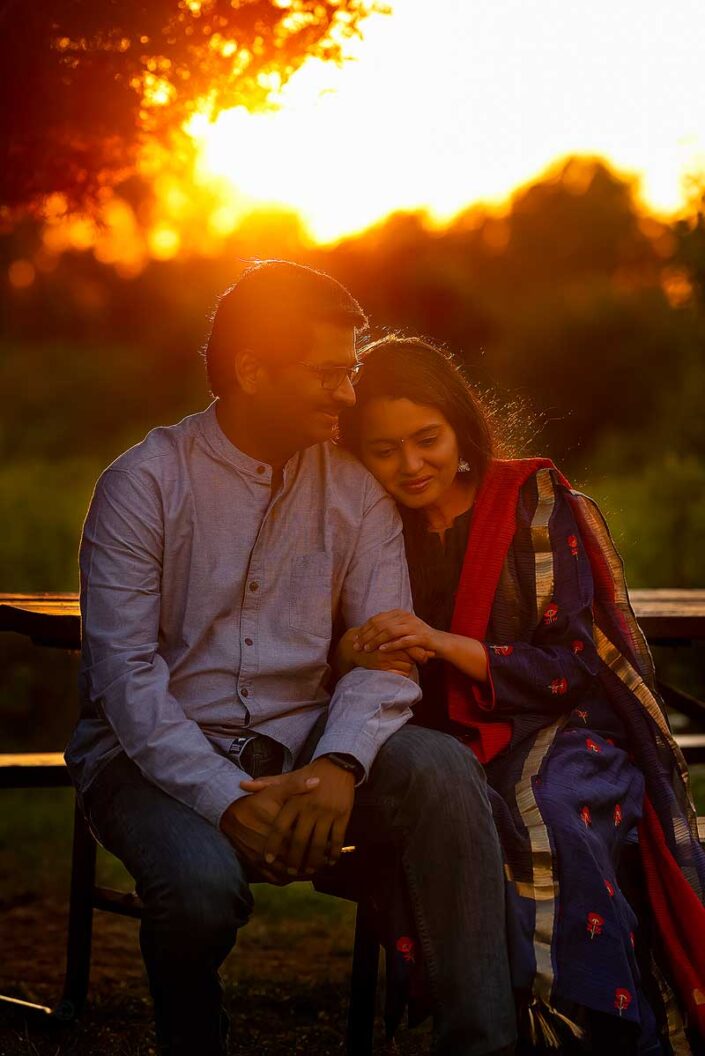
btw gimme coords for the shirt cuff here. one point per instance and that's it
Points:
(362, 748)
(215, 798)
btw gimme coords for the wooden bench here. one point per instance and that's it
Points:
(670, 617)
(53, 620)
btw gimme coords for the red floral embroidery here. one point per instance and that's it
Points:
(632, 939)
(502, 650)
(573, 544)
(559, 686)
(617, 814)
(610, 888)
(586, 816)
(405, 946)
(577, 646)
(608, 740)
(622, 999)
(584, 715)
(592, 746)
(551, 614)
(594, 924)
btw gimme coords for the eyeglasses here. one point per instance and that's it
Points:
(332, 378)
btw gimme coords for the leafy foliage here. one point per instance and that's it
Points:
(88, 84)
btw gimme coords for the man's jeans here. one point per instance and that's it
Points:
(425, 795)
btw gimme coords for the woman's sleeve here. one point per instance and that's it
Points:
(556, 668)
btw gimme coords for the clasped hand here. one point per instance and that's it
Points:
(394, 630)
(291, 825)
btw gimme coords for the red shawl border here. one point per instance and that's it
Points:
(491, 533)
(678, 912)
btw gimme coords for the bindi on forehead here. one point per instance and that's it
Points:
(402, 438)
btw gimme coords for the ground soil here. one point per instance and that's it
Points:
(286, 986)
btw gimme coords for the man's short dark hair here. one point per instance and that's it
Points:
(271, 310)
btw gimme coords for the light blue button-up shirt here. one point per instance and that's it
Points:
(208, 606)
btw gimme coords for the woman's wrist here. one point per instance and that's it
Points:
(467, 654)
(442, 645)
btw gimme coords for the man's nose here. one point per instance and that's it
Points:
(345, 393)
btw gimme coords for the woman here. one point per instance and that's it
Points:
(531, 656)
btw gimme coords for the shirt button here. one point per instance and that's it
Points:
(254, 585)
(261, 469)
(248, 641)
(244, 692)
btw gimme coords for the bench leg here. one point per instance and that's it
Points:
(363, 985)
(80, 927)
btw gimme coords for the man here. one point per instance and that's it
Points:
(215, 556)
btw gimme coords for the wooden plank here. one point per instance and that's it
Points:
(53, 619)
(32, 759)
(48, 619)
(670, 615)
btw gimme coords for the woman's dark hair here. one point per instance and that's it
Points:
(409, 368)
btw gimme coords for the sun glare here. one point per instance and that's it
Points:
(436, 112)
(440, 107)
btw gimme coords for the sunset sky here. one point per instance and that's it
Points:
(457, 101)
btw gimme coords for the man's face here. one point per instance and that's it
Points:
(296, 406)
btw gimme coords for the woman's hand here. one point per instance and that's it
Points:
(400, 660)
(388, 632)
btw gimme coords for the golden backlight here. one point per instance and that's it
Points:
(456, 101)
(444, 104)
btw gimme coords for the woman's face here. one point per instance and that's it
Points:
(410, 448)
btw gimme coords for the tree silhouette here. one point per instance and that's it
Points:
(87, 83)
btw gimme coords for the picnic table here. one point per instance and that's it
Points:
(667, 617)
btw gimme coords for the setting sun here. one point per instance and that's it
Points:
(438, 112)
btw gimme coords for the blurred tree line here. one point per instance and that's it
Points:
(582, 315)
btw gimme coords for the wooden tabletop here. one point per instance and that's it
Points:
(48, 619)
(54, 619)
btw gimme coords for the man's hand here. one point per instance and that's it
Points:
(248, 821)
(309, 830)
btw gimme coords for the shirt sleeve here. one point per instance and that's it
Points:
(127, 678)
(555, 670)
(367, 707)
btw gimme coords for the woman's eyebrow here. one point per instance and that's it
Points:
(414, 436)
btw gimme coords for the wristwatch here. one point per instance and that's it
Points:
(347, 762)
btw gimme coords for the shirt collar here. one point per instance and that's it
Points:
(250, 467)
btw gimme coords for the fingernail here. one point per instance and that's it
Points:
(269, 858)
(356, 646)
(311, 782)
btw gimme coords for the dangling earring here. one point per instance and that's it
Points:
(463, 466)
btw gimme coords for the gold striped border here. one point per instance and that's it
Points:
(543, 888)
(683, 832)
(674, 1021)
(541, 541)
(597, 525)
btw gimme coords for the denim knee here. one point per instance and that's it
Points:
(206, 901)
(428, 764)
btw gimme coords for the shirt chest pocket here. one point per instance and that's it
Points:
(311, 597)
